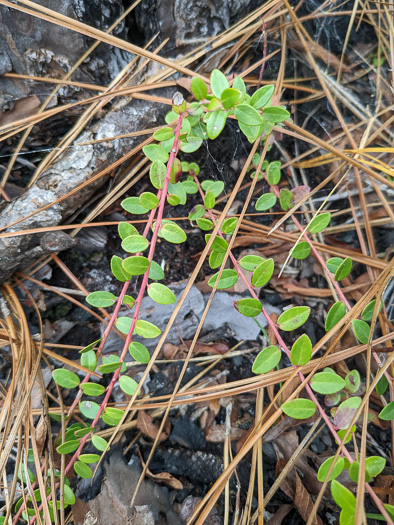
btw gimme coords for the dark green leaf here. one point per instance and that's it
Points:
(361, 330)
(248, 307)
(263, 273)
(343, 269)
(335, 314)
(266, 360)
(299, 408)
(293, 318)
(65, 378)
(301, 250)
(227, 279)
(381, 386)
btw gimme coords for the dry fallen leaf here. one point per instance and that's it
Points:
(304, 503)
(148, 428)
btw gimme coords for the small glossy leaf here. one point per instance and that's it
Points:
(179, 190)
(218, 83)
(114, 413)
(82, 470)
(218, 244)
(89, 347)
(139, 352)
(299, 408)
(216, 259)
(205, 224)
(99, 443)
(262, 96)
(65, 378)
(345, 412)
(197, 212)
(325, 467)
(108, 368)
(83, 431)
(342, 496)
(156, 272)
(128, 385)
(275, 114)
(192, 144)
(133, 205)
(89, 458)
(125, 229)
(216, 123)
(227, 279)
(130, 301)
(173, 233)
(155, 152)
(199, 88)
(342, 433)
(68, 447)
(301, 251)
(161, 294)
(251, 262)
(374, 465)
(248, 307)
(240, 85)
(245, 114)
(319, 222)
(352, 381)
(117, 269)
(334, 263)
(335, 314)
(367, 313)
(149, 200)
(343, 269)
(109, 420)
(209, 200)
(135, 265)
(190, 187)
(101, 299)
(134, 244)
(274, 173)
(69, 496)
(361, 330)
(173, 200)
(285, 199)
(146, 329)
(89, 360)
(230, 97)
(327, 383)
(92, 389)
(228, 226)
(163, 134)
(381, 386)
(293, 318)
(387, 414)
(266, 360)
(157, 174)
(263, 273)
(301, 351)
(123, 324)
(265, 202)
(89, 409)
(214, 186)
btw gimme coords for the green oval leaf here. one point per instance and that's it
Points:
(128, 385)
(215, 259)
(192, 144)
(205, 224)
(65, 378)
(335, 314)
(82, 470)
(227, 279)
(209, 200)
(123, 324)
(197, 212)
(228, 226)
(319, 222)
(69, 497)
(374, 465)
(387, 414)
(90, 347)
(117, 269)
(275, 114)
(293, 318)
(218, 83)
(146, 329)
(263, 273)
(135, 265)
(327, 383)
(240, 85)
(218, 244)
(92, 389)
(353, 381)
(107, 368)
(266, 360)
(155, 152)
(299, 408)
(342, 496)
(216, 123)
(199, 88)
(250, 262)
(248, 307)
(89, 458)
(101, 299)
(301, 251)
(134, 244)
(89, 409)
(171, 232)
(161, 294)
(345, 412)
(89, 360)
(163, 134)
(139, 352)
(214, 186)
(265, 202)
(114, 413)
(274, 173)
(285, 199)
(262, 96)
(99, 443)
(343, 269)
(156, 272)
(334, 263)
(230, 97)
(125, 229)
(367, 313)
(301, 351)
(361, 330)
(134, 206)
(245, 114)
(149, 200)
(325, 467)
(157, 174)
(68, 447)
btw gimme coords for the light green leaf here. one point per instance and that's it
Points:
(263, 273)
(173, 200)
(335, 314)
(240, 85)
(245, 114)
(123, 324)
(325, 467)
(134, 244)
(209, 200)
(155, 152)
(161, 294)
(218, 244)
(334, 263)
(367, 313)
(293, 318)
(130, 301)
(266, 360)
(251, 132)
(173, 233)
(352, 381)
(89, 409)
(299, 408)
(133, 205)
(343, 269)
(89, 458)
(125, 229)
(128, 385)
(69, 496)
(157, 174)
(285, 199)
(68, 447)
(319, 222)
(199, 88)
(342, 496)
(218, 83)
(216, 123)
(163, 134)
(248, 307)
(361, 330)
(89, 360)
(387, 414)
(146, 329)
(139, 352)
(83, 431)
(228, 226)
(215, 259)
(197, 212)
(274, 173)
(135, 265)
(213, 186)
(156, 272)
(230, 97)
(149, 200)
(374, 465)
(114, 413)
(227, 279)
(82, 470)
(265, 202)
(178, 190)
(251, 262)
(108, 368)
(275, 114)
(301, 351)
(262, 96)
(301, 251)
(327, 383)
(65, 378)
(192, 144)
(190, 187)
(89, 347)
(99, 443)
(117, 269)
(205, 224)
(92, 389)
